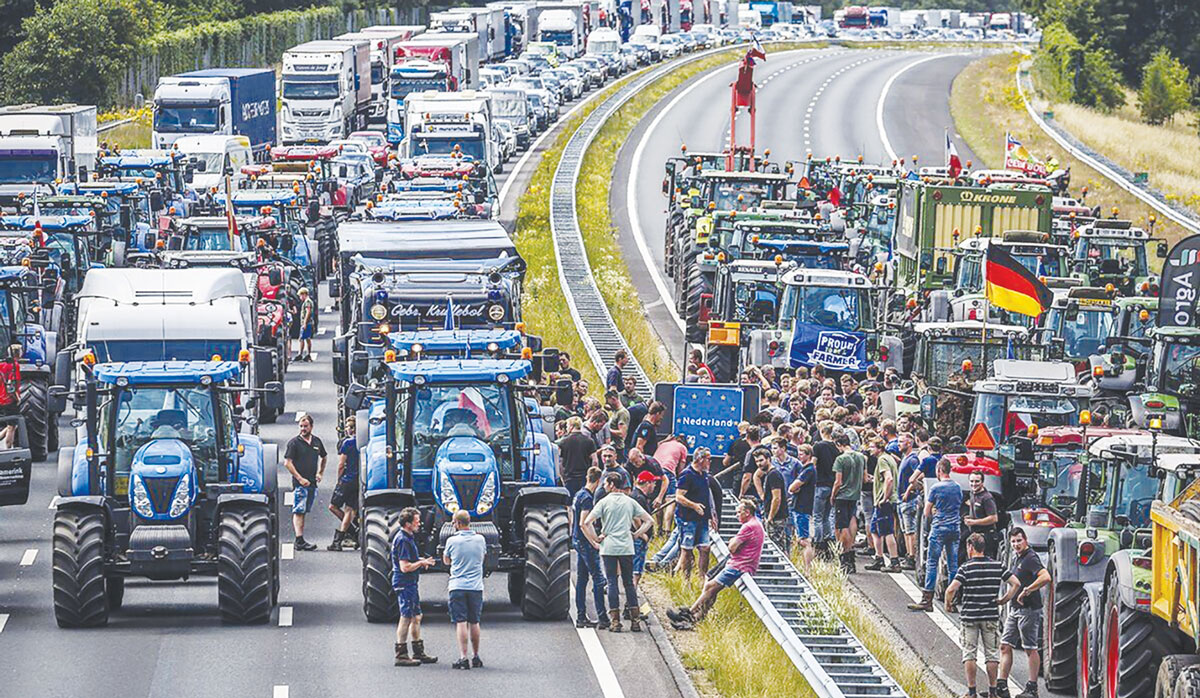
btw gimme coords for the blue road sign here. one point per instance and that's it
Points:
(708, 416)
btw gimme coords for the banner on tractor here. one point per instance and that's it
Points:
(1180, 276)
(1016, 157)
(837, 350)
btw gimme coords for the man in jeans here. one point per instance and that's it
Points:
(464, 555)
(621, 519)
(942, 504)
(745, 550)
(587, 559)
(824, 453)
(695, 507)
(1023, 628)
(407, 564)
(980, 580)
(910, 498)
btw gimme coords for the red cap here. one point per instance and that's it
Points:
(646, 476)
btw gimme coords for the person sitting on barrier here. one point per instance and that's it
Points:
(745, 551)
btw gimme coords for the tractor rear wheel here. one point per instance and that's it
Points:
(1086, 642)
(1170, 672)
(80, 600)
(547, 577)
(698, 285)
(35, 408)
(1189, 683)
(1132, 649)
(379, 526)
(1062, 624)
(244, 564)
(114, 589)
(723, 362)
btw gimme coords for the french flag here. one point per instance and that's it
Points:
(953, 164)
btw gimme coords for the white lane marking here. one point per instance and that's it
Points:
(607, 678)
(313, 355)
(328, 309)
(289, 498)
(3, 621)
(53, 502)
(280, 692)
(285, 616)
(300, 414)
(288, 551)
(29, 556)
(321, 332)
(306, 385)
(887, 86)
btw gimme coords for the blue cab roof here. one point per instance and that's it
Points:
(264, 197)
(147, 160)
(433, 372)
(111, 188)
(162, 372)
(455, 340)
(48, 222)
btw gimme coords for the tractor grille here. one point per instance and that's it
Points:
(161, 490)
(468, 486)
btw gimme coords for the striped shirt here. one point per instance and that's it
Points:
(981, 580)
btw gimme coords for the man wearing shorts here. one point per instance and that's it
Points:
(883, 516)
(847, 488)
(980, 580)
(344, 502)
(305, 460)
(308, 325)
(802, 491)
(1023, 628)
(694, 504)
(407, 564)
(910, 498)
(465, 551)
(745, 550)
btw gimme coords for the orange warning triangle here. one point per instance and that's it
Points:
(804, 183)
(980, 438)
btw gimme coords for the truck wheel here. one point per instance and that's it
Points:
(1132, 649)
(1171, 671)
(1086, 684)
(1189, 683)
(547, 577)
(723, 362)
(244, 570)
(114, 589)
(79, 594)
(379, 525)
(1062, 624)
(698, 284)
(516, 587)
(35, 408)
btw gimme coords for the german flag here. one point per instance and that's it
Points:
(1013, 287)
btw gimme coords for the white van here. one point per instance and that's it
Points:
(215, 156)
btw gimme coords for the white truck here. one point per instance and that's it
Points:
(39, 144)
(382, 47)
(442, 123)
(326, 90)
(563, 25)
(487, 23)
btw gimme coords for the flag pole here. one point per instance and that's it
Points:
(987, 310)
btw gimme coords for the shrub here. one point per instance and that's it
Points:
(1165, 88)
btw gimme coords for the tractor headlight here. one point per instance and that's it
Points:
(448, 497)
(496, 312)
(141, 500)
(182, 499)
(379, 311)
(487, 496)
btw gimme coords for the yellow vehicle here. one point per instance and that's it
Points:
(1174, 592)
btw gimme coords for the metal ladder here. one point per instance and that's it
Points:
(826, 652)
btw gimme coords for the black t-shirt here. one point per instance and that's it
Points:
(696, 487)
(647, 431)
(855, 399)
(1025, 569)
(647, 504)
(648, 464)
(802, 500)
(979, 506)
(869, 487)
(775, 486)
(576, 451)
(737, 454)
(825, 453)
(570, 372)
(305, 456)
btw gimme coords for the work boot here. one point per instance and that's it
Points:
(418, 653)
(614, 620)
(602, 620)
(582, 621)
(909, 563)
(302, 544)
(849, 566)
(635, 617)
(876, 564)
(894, 566)
(336, 545)
(1000, 690)
(925, 604)
(680, 614)
(402, 658)
(1030, 690)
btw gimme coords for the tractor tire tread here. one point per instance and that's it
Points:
(80, 598)
(547, 563)
(245, 568)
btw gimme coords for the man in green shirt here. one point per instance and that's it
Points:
(847, 488)
(618, 424)
(621, 519)
(883, 520)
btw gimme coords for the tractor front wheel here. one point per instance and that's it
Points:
(80, 600)
(516, 587)
(35, 408)
(547, 579)
(244, 565)
(1189, 683)
(1171, 671)
(379, 526)
(1062, 624)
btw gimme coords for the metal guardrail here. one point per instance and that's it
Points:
(1119, 176)
(835, 663)
(112, 124)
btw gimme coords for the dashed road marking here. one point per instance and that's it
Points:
(306, 385)
(28, 558)
(285, 616)
(280, 691)
(287, 551)
(314, 356)
(321, 331)
(300, 414)
(3, 621)
(289, 498)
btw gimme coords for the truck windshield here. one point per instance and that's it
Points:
(560, 37)
(481, 411)
(402, 87)
(27, 170)
(186, 119)
(310, 89)
(168, 350)
(1084, 334)
(148, 413)
(600, 47)
(442, 145)
(376, 73)
(208, 240)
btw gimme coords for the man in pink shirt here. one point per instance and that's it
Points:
(745, 550)
(671, 455)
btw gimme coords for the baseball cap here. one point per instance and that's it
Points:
(646, 476)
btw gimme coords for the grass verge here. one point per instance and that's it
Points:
(984, 103)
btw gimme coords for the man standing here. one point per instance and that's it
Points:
(645, 437)
(848, 470)
(980, 579)
(407, 564)
(771, 485)
(465, 551)
(1023, 628)
(621, 519)
(587, 558)
(576, 454)
(304, 458)
(564, 367)
(308, 325)
(981, 515)
(629, 396)
(750, 462)
(745, 551)
(608, 458)
(618, 423)
(824, 453)
(802, 492)
(344, 501)
(883, 518)
(943, 501)
(694, 507)
(614, 380)
(910, 499)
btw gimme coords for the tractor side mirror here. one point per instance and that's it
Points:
(940, 265)
(356, 397)
(335, 287)
(358, 363)
(1161, 249)
(156, 201)
(341, 375)
(286, 243)
(189, 174)
(175, 242)
(275, 276)
(199, 165)
(148, 241)
(126, 218)
(57, 398)
(273, 395)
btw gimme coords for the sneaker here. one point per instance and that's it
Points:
(583, 622)
(680, 614)
(476, 662)
(1029, 692)
(302, 544)
(463, 663)
(876, 565)
(683, 625)
(908, 563)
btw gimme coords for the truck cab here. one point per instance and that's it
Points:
(43, 144)
(216, 101)
(212, 157)
(322, 85)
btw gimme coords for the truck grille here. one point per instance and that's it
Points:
(161, 490)
(468, 486)
(310, 113)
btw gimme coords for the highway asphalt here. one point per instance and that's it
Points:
(881, 104)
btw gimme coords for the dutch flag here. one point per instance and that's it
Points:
(756, 52)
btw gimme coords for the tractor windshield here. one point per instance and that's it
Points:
(1181, 367)
(829, 306)
(1122, 257)
(756, 302)
(137, 415)
(726, 195)
(1068, 473)
(483, 411)
(208, 240)
(1082, 330)
(1132, 491)
(1006, 415)
(946, 359)
(12, 313)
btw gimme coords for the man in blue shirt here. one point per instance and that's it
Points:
(587, 558)
(694, 506)
(910, 498)
(407, 564)
(614, 380)
(465, 552)
(943, 505)
(344, 502)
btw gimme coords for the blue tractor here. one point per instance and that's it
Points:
(450, 434)
(164, 485)
(26, 322)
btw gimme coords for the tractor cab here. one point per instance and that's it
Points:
(1032, 249)
(740, 191)
(807, 243)
(164, 174)
(1079, 323)
(69, 245)
(746, 297)
(286, 236)
(1020, 397)
(1110, 252)
(1172, 382)
(131, 202)
(1121, 362)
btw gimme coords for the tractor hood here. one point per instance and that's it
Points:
(162, 486)
(466, 475)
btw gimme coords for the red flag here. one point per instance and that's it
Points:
(471, 399)
(835, 196)
(953, 164)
